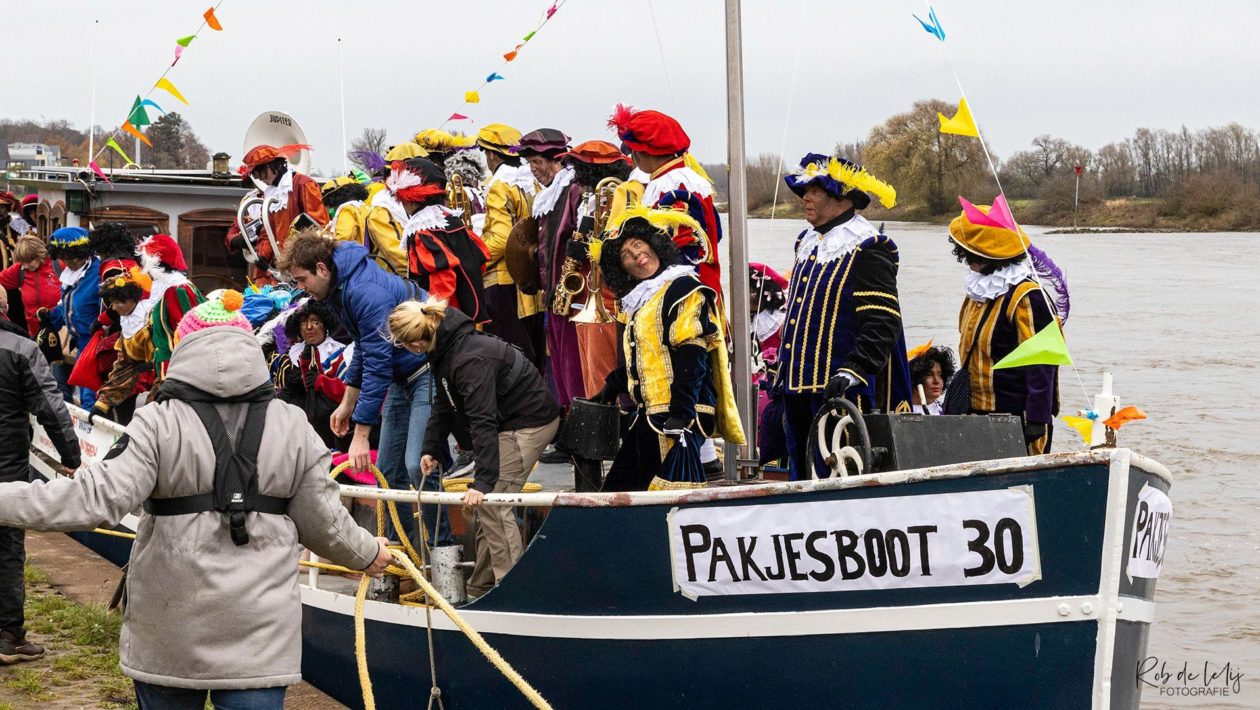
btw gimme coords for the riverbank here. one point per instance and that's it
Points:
(1121, 215)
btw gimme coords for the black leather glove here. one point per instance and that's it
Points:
(44, 319)
(606, 395)
(311, 371)
(1033, 431)
(838, 385)
(577, 249)
(237, 243)
(97, 413)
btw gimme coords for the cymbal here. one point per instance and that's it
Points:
(521, 255)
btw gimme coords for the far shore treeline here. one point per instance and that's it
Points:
(1183, 180)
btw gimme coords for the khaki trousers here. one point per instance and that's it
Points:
(499, 543)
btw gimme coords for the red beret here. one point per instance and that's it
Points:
(597, 152)
(649, 132)
(263, 154)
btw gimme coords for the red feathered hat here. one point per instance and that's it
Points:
(8, 198)
(649, 132)
(263, 154)
(166, 250)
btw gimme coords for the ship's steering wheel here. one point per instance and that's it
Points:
(847, 449)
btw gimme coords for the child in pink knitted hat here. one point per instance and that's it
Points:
(225, 310)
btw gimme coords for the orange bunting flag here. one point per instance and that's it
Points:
(166, 85)
(211, 21)
(1083, 426)
(1124, 416)
(510, 55)
(126, 126)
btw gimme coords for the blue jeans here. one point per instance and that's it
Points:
(403, 421)
(160, 697)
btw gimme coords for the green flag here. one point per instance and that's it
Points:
(138, 116)
(185, 41)
(1047, 347)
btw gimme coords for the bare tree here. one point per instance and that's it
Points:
(370, 140)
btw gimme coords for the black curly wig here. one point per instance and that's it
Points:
(987, 266)
(922, 365)
(312, 307)
(588, 175)
(617, 279)
(346, 193)
(112, 240)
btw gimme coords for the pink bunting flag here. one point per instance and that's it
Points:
(457, 117)
(551, 11)
(999, 214)
(97, 169)
(179, 52)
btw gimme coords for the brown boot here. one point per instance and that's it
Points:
(14, 649)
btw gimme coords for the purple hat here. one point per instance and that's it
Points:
(544, 141)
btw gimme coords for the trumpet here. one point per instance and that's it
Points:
(456, 198)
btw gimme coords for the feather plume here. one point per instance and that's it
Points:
(857, 178)
(369, 160)
(690, 161)
(669, 221)
(1053, 280)
(620, 117)
(291, 150)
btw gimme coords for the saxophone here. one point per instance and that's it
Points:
(572, 282)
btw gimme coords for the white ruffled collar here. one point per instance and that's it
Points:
(547, 198)
(679, 178)
(648, 288)
(431, 217)
(326, 350)
(838, 242)
(982, 288)
(515, 175)
(139, 318)
(278, 194)
(69, 277)
(766, 323)
(386, 199)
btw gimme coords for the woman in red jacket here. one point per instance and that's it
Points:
(34, 278)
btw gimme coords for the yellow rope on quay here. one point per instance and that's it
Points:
(115, 533)
(360, 642)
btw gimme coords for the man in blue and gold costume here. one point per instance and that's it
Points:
(843, 334)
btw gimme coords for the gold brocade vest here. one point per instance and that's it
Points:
(666, 321)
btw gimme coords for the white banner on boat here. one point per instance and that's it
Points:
(940, 540)
(94, 441)
(1150, 533)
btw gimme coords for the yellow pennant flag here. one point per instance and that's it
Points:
(962, 124)
(166, 85)
(472, 97)
(111, 143)
(1082, 425)
(1047, 347)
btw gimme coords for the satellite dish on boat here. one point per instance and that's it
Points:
(276, 128)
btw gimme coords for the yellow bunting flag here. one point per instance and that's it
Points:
(126, 126)
(1124, 416)
(1047, 347)
(962, 124)
(111, 143)
(211, 21)
(472, 97)
(166, 85)
(1082, 425)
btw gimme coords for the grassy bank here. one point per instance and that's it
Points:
(1136, 214)
(80, 669)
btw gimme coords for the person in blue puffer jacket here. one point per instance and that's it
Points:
(385, 384)
(80, 305)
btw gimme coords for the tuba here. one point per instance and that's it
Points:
(594, 310)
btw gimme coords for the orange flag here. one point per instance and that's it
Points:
(1124, 416)
(126, 126)
(211, 21)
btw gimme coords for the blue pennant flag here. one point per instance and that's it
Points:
(494, 77)
(934, 27)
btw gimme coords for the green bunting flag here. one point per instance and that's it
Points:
(1047, 347)
(138, 116)
(185, 41)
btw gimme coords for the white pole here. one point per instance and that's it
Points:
(341, 78)
(1076, 204)
(737, 240)
(91, 155)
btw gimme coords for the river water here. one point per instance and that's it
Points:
(1176, 318)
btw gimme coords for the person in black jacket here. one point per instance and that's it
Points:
(26, 387)
(489, 393)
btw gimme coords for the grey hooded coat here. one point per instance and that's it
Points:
(203, 612)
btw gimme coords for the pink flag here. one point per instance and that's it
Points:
(97, 169)
(457, 117)
(551, 11)
(999, 214)
(179, 52)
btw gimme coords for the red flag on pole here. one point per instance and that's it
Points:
(1078, 170)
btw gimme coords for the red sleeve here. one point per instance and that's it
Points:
(9, 277)
(312, 202)
(232, 233)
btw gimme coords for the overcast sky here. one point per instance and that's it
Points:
(1087, 71)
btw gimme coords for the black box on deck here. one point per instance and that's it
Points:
(920, 440)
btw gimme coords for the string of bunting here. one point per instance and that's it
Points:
(1047, 346)
(474, 96)
(138, 116)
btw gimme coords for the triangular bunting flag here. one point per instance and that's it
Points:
(457, 117)
(1047, 347)
(551, 11)
(179, 52)
(97, 169)
(166, 85)
(211, 21)
(962, 124)
(126, 126)
(1083, 426)
(934, 27)
(472, 97)
(185, 41)
(111, 143)
(999, 215)
(1124, 416)
(1000, 212)
(494, 76)
(151, 102)
(528, 37)
(510, 55)
(138, 116)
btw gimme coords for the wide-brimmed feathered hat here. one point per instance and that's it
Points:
(995, 243)
(842, 178)
(70, 242)
(655, 227)
(649, 131)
